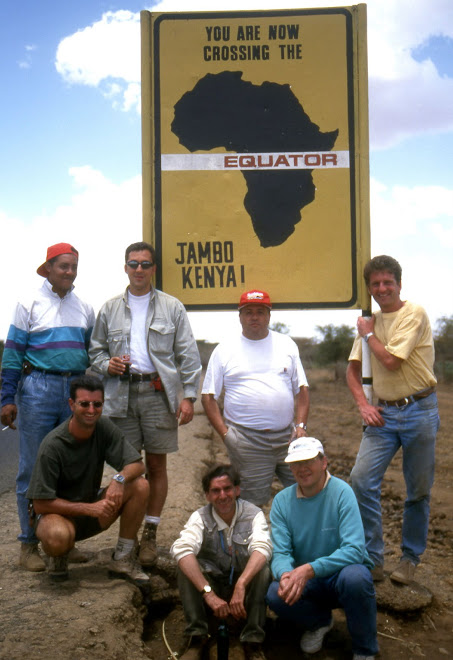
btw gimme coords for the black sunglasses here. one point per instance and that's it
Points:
(87, 404)
(146, 265)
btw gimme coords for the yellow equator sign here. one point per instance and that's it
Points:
(255, 155)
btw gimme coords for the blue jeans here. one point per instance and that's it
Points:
(413, 428)
(42, 403)
(351, 589)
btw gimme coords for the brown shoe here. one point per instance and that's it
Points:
(148, 551)
(404, 573)
(30, 559)
(253, 651)
(195, 650)
(58, 568)
(377, 573)
(76, 556)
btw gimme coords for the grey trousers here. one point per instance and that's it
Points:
(258, 456)
(197, 612)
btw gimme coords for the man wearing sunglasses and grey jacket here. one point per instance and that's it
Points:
(143, 345)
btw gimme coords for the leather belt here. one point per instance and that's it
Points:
(400, 403)
(50, 372)
(142, 378)
(153, 379)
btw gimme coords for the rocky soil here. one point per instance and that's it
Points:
(94, 617)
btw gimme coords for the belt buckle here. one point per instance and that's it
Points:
(406, 401)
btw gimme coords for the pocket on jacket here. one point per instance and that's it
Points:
(114, 339)
(162, 337)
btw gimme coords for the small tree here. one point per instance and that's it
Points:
(443, 343)
(443, 338)
(336, 343)
(282, 328)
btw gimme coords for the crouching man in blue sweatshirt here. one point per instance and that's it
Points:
(320, 562)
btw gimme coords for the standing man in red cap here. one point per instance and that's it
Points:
(45, 349)
(266, 398)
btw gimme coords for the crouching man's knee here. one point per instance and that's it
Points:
(138, 490)
(56, 533)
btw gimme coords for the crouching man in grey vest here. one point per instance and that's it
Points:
(222, 555)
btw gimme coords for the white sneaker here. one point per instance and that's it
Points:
(356, 656)
(311, 641)
(129, 568)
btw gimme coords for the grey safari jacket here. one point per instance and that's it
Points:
(171, 346)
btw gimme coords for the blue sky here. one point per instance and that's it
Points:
(70, 159)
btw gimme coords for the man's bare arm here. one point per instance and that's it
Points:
(212, 410)
(302, 408)
(69, 509)
(389, 361)
(190, 567)
(256, 562)
(370, 414)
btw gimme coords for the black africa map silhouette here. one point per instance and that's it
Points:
(222, 110)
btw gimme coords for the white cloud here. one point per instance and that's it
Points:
(414, 225)
(101, 219)
(406, 97)
(105, 54)
(398, 211)
(26, 62)
(443, 235)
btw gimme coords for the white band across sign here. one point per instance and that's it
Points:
(256, 161)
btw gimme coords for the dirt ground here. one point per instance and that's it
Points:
(93, 617)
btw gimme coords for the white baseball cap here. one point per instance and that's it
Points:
(303, 449)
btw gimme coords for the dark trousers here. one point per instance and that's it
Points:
(197, 612)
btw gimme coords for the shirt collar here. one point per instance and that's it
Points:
(299, 493)
(221, 524)
(48, 287)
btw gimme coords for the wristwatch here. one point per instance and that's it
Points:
(368, 335)
(301, 426)
(119, 478)
(206, 589)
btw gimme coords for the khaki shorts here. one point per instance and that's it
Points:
(149, 424)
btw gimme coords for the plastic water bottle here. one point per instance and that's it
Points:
(223, 641)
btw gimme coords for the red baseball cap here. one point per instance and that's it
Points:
(55, 251)
(255, 297)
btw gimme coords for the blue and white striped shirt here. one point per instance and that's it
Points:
(50, 332)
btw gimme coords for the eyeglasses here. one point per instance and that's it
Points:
(146, 265)
(87, 404)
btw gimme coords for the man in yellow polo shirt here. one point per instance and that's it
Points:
(406, 414)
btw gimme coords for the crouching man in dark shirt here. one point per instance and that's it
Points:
(69, 504)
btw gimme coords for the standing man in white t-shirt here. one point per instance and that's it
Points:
(143, 345)
(266, 394)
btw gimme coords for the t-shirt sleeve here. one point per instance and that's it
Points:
(407, 334)
(44, 478)
(356, 350)
(299, 379)
(213, 382)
